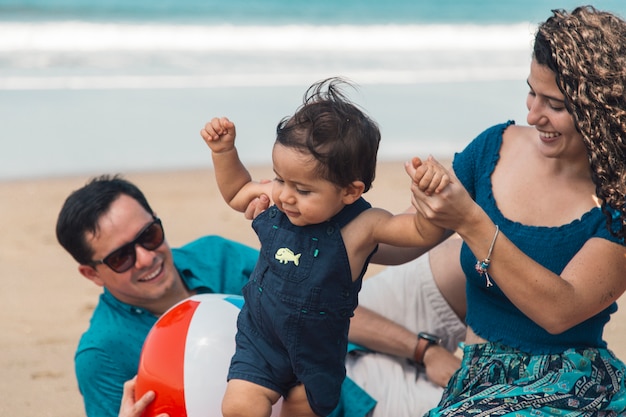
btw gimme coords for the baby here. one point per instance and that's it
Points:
(316, 242)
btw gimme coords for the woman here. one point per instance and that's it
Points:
(541, 212)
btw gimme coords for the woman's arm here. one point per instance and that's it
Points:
(591, 281)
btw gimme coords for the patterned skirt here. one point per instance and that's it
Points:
(495, 380)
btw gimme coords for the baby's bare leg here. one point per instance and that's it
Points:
(246, 399)
(296, 404)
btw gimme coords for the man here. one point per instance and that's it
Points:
(119, 243)
(403, 372)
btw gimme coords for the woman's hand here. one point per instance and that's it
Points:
(450, 207)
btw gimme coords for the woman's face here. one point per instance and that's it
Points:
(547, 113)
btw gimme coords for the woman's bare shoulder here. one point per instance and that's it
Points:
(517, 131)
(516, 138)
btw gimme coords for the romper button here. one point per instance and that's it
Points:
(330, 230)
(273, 212)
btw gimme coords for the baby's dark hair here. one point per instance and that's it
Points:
(340, 136)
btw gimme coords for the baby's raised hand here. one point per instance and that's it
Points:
(219, 134)
(429, 176)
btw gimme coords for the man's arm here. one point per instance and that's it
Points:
(390, 325)
(394, 339)
(99, 383)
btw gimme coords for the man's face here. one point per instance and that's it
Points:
(152, 281)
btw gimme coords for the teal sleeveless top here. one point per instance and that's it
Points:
(489, 312)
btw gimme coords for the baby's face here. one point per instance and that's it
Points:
(299, 191)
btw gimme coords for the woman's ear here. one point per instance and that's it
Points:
(353, 192)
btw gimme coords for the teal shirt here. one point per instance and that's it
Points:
(108, 352)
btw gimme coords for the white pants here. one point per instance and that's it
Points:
(408, 295)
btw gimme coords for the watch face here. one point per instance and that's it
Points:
(430, 337)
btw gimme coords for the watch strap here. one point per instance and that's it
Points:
(420, 350)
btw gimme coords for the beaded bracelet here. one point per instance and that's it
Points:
(482, 266)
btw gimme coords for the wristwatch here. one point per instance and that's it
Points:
(424, 341)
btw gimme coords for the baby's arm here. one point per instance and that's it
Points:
(233, 179)
(413, 229)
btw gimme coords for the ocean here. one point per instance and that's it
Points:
(118, 86)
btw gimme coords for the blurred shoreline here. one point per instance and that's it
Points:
(55, 133)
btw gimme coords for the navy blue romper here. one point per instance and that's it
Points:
(293, 326)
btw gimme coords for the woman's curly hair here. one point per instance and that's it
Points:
(586, 49)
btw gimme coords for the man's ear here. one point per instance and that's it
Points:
(353, 192)
(91, 274)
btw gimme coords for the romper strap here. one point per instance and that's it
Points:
(349, 212)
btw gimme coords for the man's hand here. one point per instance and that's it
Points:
(440, 365)
(258, 205)
(130, 408)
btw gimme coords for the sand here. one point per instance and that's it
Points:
(45, 304)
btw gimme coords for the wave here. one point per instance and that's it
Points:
(82, 55)
(84, 36)
(388, 77)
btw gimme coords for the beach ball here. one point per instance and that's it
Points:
(186, 355)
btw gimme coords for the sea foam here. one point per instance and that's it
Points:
(83, 55)
(84, 36)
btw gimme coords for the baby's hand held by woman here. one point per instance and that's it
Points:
(428, 176)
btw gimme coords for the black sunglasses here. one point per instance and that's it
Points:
(124, 257)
